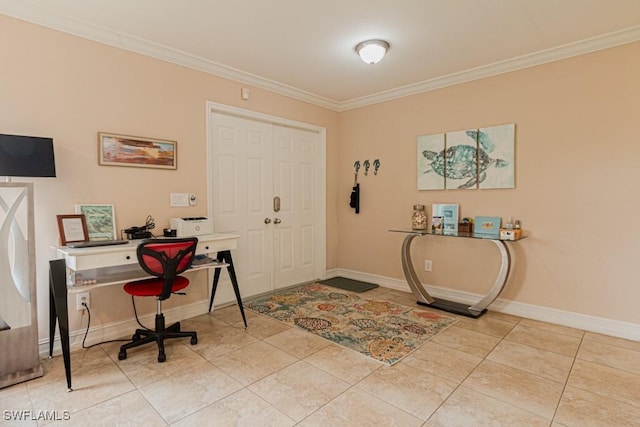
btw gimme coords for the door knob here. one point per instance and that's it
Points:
(267, 220)
(277, 221)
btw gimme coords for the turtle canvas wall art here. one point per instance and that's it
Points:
(474, 158)
(459, 161)
(431, 144)
(500, 170)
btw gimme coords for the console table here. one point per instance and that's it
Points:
(423, 297)
(116, 265)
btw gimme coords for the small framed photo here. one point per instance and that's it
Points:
(488, 225)
(72, 228)
(436, 224)
(101, 222)
(136, 151)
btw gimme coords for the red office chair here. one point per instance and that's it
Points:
(165, 259)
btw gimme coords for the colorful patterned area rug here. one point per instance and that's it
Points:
(384, 331)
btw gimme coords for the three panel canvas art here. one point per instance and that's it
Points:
(475, 158)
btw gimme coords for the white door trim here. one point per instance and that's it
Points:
(321, 164)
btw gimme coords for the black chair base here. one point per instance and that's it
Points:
(145, 336)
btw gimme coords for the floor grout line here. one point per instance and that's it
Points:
(230, 321)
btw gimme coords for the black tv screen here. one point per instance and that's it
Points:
(26, 156)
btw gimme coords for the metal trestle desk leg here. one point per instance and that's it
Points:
(59, 310)
(225, 256)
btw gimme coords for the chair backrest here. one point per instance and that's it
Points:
(166, 258)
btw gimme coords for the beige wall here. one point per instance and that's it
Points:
(577, 153)
(53, 84)
(576, 164)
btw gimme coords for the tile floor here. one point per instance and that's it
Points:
(499, 370)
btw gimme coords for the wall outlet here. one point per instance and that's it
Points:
(82, 297)
(427, 265)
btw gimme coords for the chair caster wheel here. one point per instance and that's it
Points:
(194, 340)
(162, 357)
(122, 355)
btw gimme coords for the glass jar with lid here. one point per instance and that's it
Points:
(419, 218)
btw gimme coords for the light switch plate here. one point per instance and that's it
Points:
(179, 199)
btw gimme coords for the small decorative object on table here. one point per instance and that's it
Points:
(436, 224)
(101, 223)
(511, 233)
(466, 225)
(449, 214)
(487, 225)
(72, 228)
(419, 218)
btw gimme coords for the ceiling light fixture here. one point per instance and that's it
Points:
(372, 51)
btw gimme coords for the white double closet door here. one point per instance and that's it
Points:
(266, 185)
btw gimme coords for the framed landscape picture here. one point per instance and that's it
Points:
(135, 151)
(100, 219)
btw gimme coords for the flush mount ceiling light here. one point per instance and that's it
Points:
(372, 51)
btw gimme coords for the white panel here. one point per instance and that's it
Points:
(286, 248)
(285, 187)
(307, 194)
(255, 186)
(306, 147)
(227, 194)
(254, 141)
(307, 245)
(226, 138)
(285, 144)
(255, 252)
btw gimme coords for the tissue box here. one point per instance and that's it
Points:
(194, 226)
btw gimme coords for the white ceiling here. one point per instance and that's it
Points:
(305, 48)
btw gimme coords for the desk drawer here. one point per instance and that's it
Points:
(100, 257)
(213, 246)
(90, 261)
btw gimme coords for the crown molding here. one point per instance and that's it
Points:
(27, 12)
(23, 11)
(628, 35)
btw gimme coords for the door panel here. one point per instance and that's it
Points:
(253, 162)
(294, 163)
(241, 191)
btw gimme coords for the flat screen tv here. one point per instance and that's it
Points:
(30, 156)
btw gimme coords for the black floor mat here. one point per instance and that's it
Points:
(348, 284)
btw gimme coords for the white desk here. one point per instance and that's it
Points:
(115, 265)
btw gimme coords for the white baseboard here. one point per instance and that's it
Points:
(121, 329)
(601, 325)
(585, 322)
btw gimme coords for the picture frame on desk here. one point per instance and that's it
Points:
(100, 219)
(72, 228)
(436, 224)
(136, 151)
(449, 215)
(487, 225)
